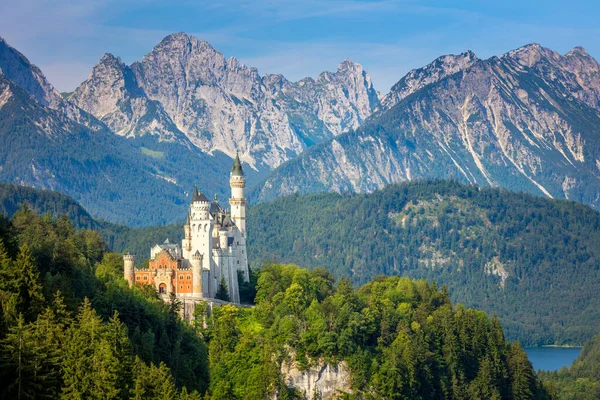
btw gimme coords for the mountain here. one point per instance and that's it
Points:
(50, 143)
(15, 67)
(113, 95)
(529, 120)
(184, 87)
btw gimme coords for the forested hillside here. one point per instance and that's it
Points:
(531, 260)
(71, 328)
(399, 339)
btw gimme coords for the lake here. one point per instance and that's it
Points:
(551, 358)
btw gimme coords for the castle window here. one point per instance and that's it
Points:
(181, 277)
(238, 261)
(181, 287)
(162, 288)
(188, 286)
(137, 277)
(145, 278)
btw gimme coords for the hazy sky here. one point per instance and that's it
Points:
(297, 38)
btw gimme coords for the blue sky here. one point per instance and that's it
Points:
(297, 38)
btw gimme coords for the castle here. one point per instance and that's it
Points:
(213, 249)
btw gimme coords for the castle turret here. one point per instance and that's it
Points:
(237, 182)
(128, 271)
(223, 238)
(197, 274)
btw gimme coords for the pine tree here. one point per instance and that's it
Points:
(31, 360)
(222, 291)
(90, 367)
(26, 284)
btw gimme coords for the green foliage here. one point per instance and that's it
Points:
(70, 327)
(401, 339)
(531, 260)
(222, 290)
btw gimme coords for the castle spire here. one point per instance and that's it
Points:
(236, 170)
(198, 196)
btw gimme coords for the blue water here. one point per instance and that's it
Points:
(551, 358)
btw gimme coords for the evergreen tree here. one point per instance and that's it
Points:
(26, 284)
(222, 291)
(90, 367)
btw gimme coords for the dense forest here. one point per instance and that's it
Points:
(71, 328)
(531, 260)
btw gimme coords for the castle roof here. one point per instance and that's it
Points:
(215, 208)
(237, 170)
(198, 196)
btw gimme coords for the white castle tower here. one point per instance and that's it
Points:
(237, 182)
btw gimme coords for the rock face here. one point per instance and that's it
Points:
(528, 120)
(185, 86)
(112, 94)
(417, 79)
(16, 68)
(321, 382)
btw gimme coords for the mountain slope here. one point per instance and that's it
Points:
(527, 121)
(531, 260)
(185, 86)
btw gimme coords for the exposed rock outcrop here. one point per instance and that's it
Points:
(320, 382)
(185, 86)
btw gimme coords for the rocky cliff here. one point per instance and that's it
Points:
(185, 86)
(16, 68)
(319, 382)
(528, 120)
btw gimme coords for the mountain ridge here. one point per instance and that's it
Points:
(494, 122)
(223, 105)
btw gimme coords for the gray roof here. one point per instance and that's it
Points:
(237, 170)
(198, 196)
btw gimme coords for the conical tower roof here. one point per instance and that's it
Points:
(237, 170)
(198, 196)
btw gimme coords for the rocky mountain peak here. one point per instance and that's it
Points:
(417, 79)
(577, 51)
(108, 58)
(223, 105)
(17, 68)
(531, 54)
(349, 65)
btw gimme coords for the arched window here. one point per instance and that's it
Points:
(162, 288)
(181, 277)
